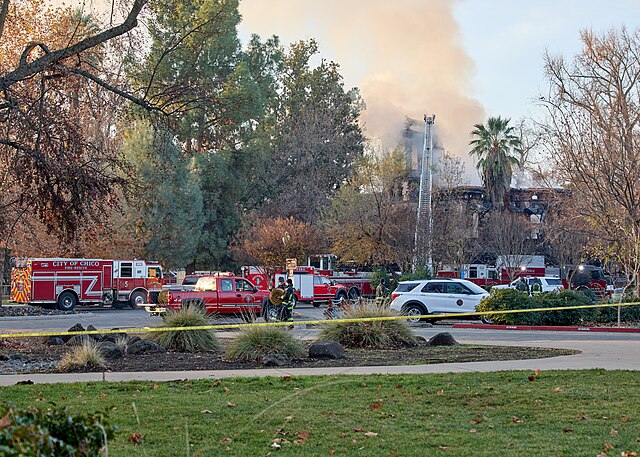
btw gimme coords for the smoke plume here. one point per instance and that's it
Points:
(405, 56)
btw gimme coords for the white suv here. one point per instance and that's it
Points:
(549, 284)
(436, 296)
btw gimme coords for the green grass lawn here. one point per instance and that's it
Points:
(572, 413)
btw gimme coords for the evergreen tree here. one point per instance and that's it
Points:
(167, 202)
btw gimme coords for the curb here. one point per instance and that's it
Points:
(45, 316)
(550, 328)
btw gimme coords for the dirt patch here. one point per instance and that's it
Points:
(38, 357)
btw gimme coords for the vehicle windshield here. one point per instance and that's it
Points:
(554, 282)
(189, 280)
(406, 287)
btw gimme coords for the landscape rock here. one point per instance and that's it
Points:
(79, 340)
(275, 360)
(91, 328)
(55, 341)
(442, 339)
(112, 337)
(144, 347)
(133, 340)
(109, 350)
(421, 340)
(76, 328)
(326, 350)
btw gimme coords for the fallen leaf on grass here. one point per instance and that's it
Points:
(286, 378)
(136, 438)
(581, 416)
(399, 386)
(303, 436)
(613, 431)
(375, 406)
(625, 419)
(225, 389)
(515, 420)
(231, 405)
(332, 451)
(104, 395)
(371, 434)
(358, 428)
(556, 389)
(628, 454)
(156, 387)
(473, 430)
(440, 392)
(206, 411)
(215, 383)
(532, 378)
(226, 440)
(275, 445)
(444, 448)
(479, 418)
(5, 421)
(537, 372)
(568, 430)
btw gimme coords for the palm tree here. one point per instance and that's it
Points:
(498, 150)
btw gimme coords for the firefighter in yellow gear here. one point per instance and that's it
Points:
(536, 287)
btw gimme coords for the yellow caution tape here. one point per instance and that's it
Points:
(317, 322)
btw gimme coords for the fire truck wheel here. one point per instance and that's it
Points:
(354, 294)
(67, 301)
(137, 299)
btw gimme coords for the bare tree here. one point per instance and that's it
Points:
(593, 134)
(507, 237)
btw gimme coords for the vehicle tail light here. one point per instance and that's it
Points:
(394, 296)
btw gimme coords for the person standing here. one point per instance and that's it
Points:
(381, 291)
(289, 301)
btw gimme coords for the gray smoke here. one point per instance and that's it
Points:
(405, 56)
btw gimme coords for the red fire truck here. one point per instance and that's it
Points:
(310, 285)
(66, 283)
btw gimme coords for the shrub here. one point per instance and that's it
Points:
(627, 313)
(511, 299)
(372, 334)
(186, 340)
(565, 317)
(86, 355)
(506, 300)
(253, 343)
(52, 432)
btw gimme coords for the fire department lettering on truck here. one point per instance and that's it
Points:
(68, 282)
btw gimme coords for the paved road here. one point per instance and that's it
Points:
(598, 350)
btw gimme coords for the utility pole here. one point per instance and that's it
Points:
(424, 221)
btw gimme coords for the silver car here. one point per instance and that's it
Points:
(436, 296)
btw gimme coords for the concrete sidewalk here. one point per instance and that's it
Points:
(609, 355)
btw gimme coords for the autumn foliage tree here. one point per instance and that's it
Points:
(271, 241)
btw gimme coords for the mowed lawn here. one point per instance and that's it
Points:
(573, 413)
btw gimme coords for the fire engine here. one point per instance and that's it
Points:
(66, 283)
(310, 286)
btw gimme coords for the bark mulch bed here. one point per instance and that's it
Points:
(20, 357)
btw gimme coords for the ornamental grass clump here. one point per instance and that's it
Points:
(186, 340)
(82, 357)
(370, 334)
(253, 343)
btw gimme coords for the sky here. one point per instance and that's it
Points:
(463, 60)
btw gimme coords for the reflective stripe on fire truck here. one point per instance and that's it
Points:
(66, 277)
(21, 285)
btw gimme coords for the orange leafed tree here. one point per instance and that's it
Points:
(271, 241)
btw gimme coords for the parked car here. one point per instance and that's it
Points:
(436, 296)
(548, 283)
